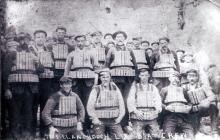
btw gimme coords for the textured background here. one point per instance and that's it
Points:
(150, 19)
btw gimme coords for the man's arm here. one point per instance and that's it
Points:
(158, 100)
(68, 64)
(80, 110)
(121, 105)
(109, 57)
(46, 113)
(131, 99)
(91, 104)
(176, 61)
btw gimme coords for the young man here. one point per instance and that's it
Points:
(21, 84)
(106, 107)
(165, 61)
(99, 49)
(144, 44)
(60, 51)
(122, 64)
(201, 97)
(176, 117)
(45, 83)
(64, 113)
(144, 105)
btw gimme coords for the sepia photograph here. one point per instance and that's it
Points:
(110, 69)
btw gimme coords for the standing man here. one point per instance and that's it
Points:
(201, 97)
(64, 113)
(60, 51)
(99, 49)
(106, 107)
(165, 62)
(144, 106)
(45, 85)
(81, 65)
(176, 117)
(21, 83)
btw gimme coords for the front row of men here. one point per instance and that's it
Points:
(182, 108)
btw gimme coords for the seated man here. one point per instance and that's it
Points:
(144, 105)
(64, 113)
(177, 118)
(106, 108)
(201, 97)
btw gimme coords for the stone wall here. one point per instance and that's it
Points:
(150, 19)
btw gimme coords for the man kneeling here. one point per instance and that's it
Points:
(64, 113)
(106, 108)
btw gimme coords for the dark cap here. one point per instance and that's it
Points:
(78, 36)
(154, 43)
(64, 79)
(107, 34)
(40, 31)
(192, 70)
(103, 70)
(180, 50)
(164, 38)
(145, 41)
(119, 32)
(97, 33)
(61, 28)
(137, 38)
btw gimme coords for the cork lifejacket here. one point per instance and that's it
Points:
(81, 60)
(196, 96)
(66, 106)
(166, 60)
(145, 102)
(175, 100)
(24, 69)
(107, 103)
(60, 52)
(140, 57)
(122, 59)
(47, 61)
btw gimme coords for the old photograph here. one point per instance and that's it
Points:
(110, 69)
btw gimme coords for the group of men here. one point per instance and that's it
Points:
(87, 89)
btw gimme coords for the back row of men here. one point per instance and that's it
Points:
(32, 73)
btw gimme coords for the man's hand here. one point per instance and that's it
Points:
(204, 104)
(8, 94)
(52, 132)
(96, 121)
(79, 126)
(139, 115)
(117, 120)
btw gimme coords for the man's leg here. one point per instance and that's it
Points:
(15, 120)
(213, 111)
(115, 132)
(187, 129)
(137, 129)
(27, 107)
(169, 126)
(154, 129)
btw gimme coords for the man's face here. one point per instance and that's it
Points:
(192, 77)
(108, 38)
(179, 55)
(120, 39)
(111, 45)
(40, 39)
(61, 34)
(149, 52)
(97, 38)
(163, 44)
(136, 43)
(155, 46)
(144, 77)
(80, 42)
(130, 46)
(174, 80)
(188, 58)
(12, 48)
(105, 78)
(144, 46)
(66, 86)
